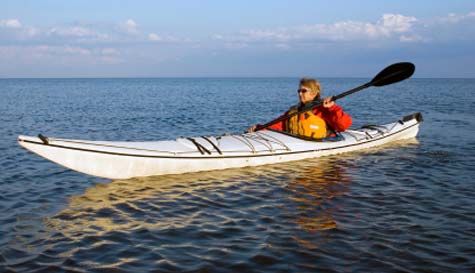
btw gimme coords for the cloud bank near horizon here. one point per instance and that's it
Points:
(128, 42)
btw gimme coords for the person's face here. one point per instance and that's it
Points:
(305, 94)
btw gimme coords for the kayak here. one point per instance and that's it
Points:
(125, 159)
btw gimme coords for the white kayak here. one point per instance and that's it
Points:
(119, 160)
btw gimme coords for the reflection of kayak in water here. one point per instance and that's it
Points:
(132, 159)
(214, 201)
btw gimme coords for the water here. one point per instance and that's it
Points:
(404, 207)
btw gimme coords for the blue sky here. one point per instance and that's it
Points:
(235, 39)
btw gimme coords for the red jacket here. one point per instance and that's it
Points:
(334, 116)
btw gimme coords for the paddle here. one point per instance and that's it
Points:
(394, 73)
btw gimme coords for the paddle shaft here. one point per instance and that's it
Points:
(312, 105)
(391, 74)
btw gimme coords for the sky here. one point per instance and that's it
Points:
(258, 38)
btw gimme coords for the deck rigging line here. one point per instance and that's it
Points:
(200, 147)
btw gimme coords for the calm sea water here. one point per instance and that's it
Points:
(404, 207)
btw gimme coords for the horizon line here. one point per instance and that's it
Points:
(212, 77)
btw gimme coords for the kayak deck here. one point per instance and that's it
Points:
(130, 159)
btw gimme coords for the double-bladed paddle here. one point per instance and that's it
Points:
(394, 73)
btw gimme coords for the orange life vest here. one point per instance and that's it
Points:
(306, 124)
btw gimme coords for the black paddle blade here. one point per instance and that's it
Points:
(394, 73)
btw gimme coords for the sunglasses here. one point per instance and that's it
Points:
(303, 91)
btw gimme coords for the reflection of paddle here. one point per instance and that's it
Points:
(391, 74)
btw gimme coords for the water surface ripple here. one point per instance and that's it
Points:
(405, 207)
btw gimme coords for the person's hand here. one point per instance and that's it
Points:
(328, 102)
(251, 129)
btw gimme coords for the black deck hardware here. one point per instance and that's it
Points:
(200, 147)
(417, 116)
(44, 139)
(212, 144)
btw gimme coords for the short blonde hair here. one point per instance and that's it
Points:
(313, 85)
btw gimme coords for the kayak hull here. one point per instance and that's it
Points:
(121, 160)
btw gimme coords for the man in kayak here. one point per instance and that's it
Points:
(317, 123)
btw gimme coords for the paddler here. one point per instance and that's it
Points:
(318, 123)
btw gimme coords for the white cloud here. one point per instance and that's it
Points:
(95, 43)
(94, 35)
(48, 50)
(109, 56)
(456, 18)
(396, 23)
(76, 51)
(411, 38)
(76, 31)
(32, 32)
(217, 37)
(389, 28)
(389, 25)
(154, 37)
(168, 39)
(280, 35)
(71, 55)
(130, 26)
(10, 23)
